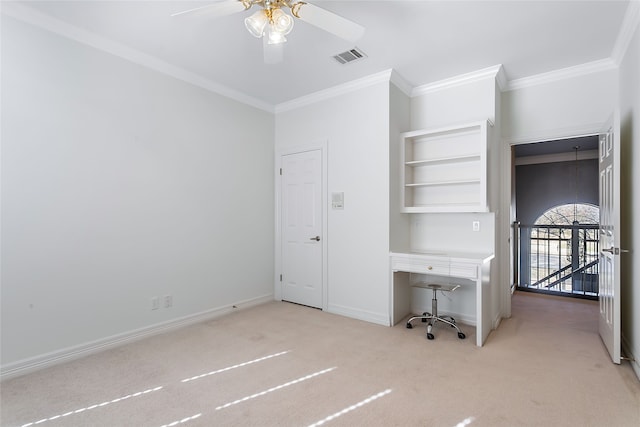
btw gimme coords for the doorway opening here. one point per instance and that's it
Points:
(556, 236)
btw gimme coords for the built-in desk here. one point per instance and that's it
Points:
(474, 268)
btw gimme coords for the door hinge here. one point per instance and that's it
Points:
(281, 277)
(280, 171)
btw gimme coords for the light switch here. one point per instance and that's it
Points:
(337, 200)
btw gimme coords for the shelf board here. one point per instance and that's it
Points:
(446, 207)
(440, 183)
(444, 160)
(472, 127)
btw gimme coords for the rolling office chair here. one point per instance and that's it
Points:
(433, 317)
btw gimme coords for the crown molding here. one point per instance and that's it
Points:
(562, 74)
(332, 92)
(30, 16)
(501, 79)
(401, 83)
(629, 26)
(463, 79)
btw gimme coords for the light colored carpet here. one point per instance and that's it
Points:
(280, 364)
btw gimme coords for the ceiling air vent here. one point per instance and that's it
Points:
(351, 55)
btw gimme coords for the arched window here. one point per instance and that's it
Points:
(567, 214)
(564, 250)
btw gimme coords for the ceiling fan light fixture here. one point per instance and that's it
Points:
(281, 22)
(256, 23)
(275, 36)
(275, 19)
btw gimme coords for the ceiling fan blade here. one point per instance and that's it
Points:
(330, 22)
(273, 53)
(218, 9)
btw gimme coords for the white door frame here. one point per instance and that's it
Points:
(507, 218)
(277, 283)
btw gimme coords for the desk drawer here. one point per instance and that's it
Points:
(467, 271)
(422, 266)
(435, 268)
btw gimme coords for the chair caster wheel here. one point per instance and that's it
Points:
(430, 336)
(461, 335)
(409, 325)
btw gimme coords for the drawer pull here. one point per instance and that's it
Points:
(430, 268)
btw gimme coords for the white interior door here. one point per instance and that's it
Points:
(609, 276)
(301, 190)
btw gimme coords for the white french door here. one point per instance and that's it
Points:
(301, 228)
(609, 274)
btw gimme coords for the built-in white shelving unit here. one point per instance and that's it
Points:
(445, 169)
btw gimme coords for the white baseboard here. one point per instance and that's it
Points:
(629, 352)
(354, 313)
(462, 318)
(32, 364)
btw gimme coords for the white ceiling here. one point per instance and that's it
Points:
(424, 41)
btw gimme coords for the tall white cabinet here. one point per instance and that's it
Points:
(445, 169)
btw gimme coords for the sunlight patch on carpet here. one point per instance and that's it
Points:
(351, 408)
(239, 365)
(182, 421)
(279, 387)
(466, 422)
(97, 405)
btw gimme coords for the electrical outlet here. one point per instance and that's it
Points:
(476, 225)
(155, 303)
(168, 301)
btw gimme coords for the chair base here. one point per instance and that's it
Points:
(434, 318)
(428, 317)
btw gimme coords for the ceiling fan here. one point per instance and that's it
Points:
(271, 22)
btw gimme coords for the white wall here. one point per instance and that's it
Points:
(400, 106)
(120, 184)
(630, 157)
(454, 104)
(355, 127)
(561, 108)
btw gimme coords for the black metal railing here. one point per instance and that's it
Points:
(558, 259)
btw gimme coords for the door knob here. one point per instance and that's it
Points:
(317, 238)
(615, 251)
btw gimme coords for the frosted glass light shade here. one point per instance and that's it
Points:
(281, 22)
(275, 37)
(256, 23)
